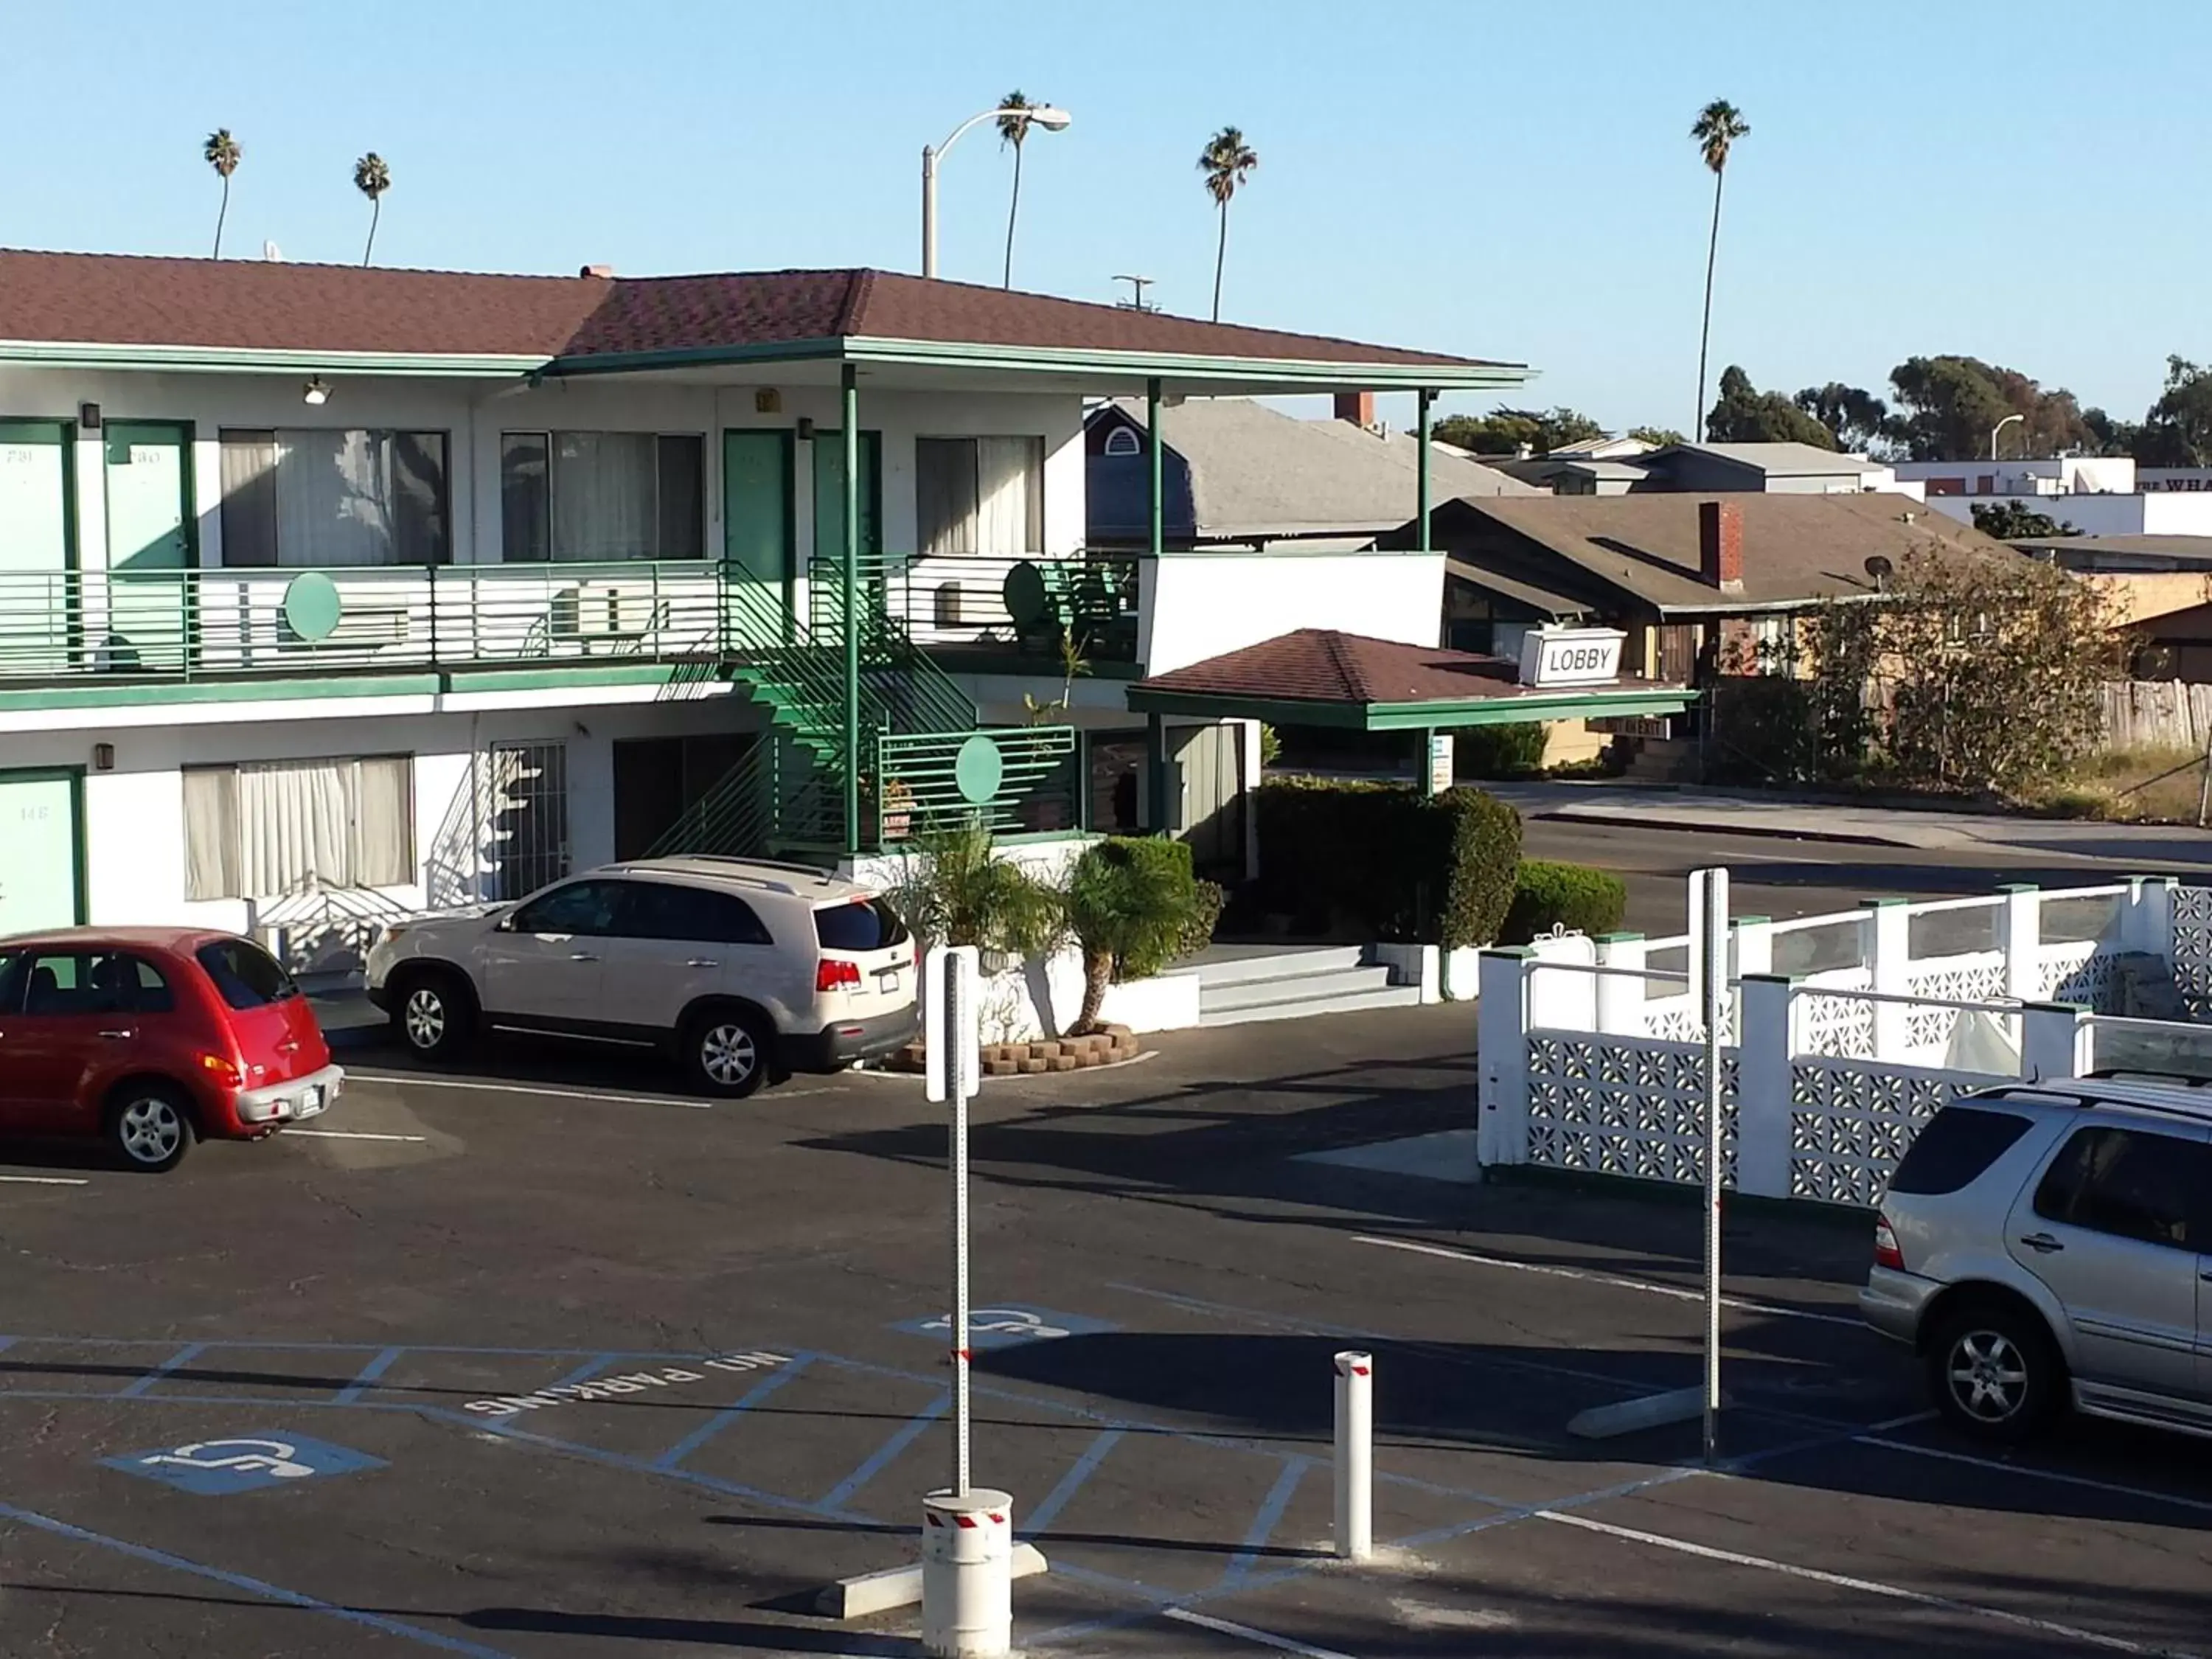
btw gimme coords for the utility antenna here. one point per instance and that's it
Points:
(1136, 300)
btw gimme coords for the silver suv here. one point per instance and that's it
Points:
(2049, 1244)
(745, 969)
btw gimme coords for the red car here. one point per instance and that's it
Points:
(155, 1037)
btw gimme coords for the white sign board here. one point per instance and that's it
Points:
(1570, 656)
(953, 1055)
(1440, 762)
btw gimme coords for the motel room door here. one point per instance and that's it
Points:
(41, 850)
(151, 544)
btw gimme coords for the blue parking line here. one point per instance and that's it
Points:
(183, 1356)
(730, 1414)
(366, 1374)
(878, 1460)
(1269, 1517)
(1070, 1483)
(590, 1368)
(267, 1591)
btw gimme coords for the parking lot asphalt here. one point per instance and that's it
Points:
(547, 1358)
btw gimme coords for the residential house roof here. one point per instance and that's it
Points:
(303, 310)
(1641, 551)
(1256, 474)
(2123, 552)
(1778, 460)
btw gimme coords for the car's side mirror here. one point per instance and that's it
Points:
(505, 924)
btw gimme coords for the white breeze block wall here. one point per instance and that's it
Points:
(1201, 605)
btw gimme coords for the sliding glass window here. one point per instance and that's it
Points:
(589, 497)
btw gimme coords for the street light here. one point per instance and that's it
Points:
(1998, 427)
(1052, 119)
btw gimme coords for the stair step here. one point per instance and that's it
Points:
(1280, 964)
(1301, 987)
(1389, 996)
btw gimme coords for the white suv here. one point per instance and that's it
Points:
(746, 968)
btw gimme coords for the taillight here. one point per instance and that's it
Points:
(1885, 1253)
(224, 1070)
(831, 975)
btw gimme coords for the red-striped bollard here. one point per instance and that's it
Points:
(1355, 1456)
(966, 1574)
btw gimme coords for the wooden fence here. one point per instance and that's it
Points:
(2157, 714)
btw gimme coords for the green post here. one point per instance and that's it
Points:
(850, 382)
(1156, 744)
(1153, 452)
(1421, 401)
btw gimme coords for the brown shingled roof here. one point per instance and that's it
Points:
(248, 305)
(1324, 664)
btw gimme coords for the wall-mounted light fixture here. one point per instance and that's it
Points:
(103, 757)
(87, 418)
(767, 400)
(316, 392)
(805, 428)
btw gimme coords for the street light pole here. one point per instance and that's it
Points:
(1049, 117)
(1998, 427)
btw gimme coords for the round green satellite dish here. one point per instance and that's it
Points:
(979, 770)
(311, 606)
(1024, 593)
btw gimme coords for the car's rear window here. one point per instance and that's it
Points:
(245, 975)
(1959, 1143)
(868, 924)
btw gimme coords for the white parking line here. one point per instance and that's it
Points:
(415, 1080)
(351, 1135)
(2113, 1487)
(1676, 1292)
(1246, 1633)
(47, 1181)
(1867, 1586)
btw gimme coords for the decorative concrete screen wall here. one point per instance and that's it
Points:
(1843, 1033)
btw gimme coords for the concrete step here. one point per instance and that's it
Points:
(1389, 996)
(1291, 964)
(1296, 988)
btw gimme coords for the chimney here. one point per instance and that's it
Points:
(1356, 407)
(603, 272)
(1720, 544)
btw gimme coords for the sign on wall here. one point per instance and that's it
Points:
(1440, 762)
(1570, 656)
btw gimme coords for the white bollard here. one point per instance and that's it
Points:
(966, 1574)
(1355, 1456)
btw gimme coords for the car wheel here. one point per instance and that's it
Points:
(433, 1015)
(728, 1052)
(1995, 1373)
(149, 1127)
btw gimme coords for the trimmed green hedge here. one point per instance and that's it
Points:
(1199, 903)
(1570, 895)
(1513, 751)
(1386, 861)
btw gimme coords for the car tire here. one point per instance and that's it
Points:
(1995, 1373)
(728, 1052)
(433, 1014)
(149, 1127)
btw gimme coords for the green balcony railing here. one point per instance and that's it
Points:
(1024, 605)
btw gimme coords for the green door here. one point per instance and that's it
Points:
(829, 525)
(759, 533)
(41, 840)
(37, 544)
(150, 544)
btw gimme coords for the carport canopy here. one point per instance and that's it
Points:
(1322, 677)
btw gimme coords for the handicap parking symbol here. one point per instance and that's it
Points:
(217, 1468)
(1004, 1327)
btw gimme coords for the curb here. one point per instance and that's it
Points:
(1708, 827)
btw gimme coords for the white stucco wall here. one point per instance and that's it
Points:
(2164, 513)
(1198, 605)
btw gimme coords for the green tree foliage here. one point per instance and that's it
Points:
(223, 153)
(1855, 418)
(955, 890)
(1387, 862)
(2178, 430)
(1546, 895)
(1131, 904)
(1717, 127)
(1227, 162)
(1744, 415)
(1502, 431)
(2113, 437)
(2015, 521)
(1948, 407)
(1659, 437)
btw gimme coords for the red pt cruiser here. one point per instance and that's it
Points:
(155, 1037)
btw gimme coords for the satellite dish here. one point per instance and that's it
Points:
(1881, 569)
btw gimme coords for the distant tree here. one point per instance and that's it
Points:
(1744, 415)
(2012, 521)
(1014, 130)
(372, 177)
(1502, 431)
(1948, 407)
(1659, 437)
(1227, 162)
(1717, 127)
(223, 154)
(2113, 437)
(2177, 429)
(1853, 416)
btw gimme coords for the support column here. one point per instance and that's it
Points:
(1155, 737)
(1156, 775)
(850, 570)
(1152, 458)
(1422, 399)
(2020, 936)
(1889, 956)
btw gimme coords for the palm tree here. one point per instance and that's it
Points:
(223, 154)
(1227, 161)
(372, 179)
(1719, 124)
(1013, 128)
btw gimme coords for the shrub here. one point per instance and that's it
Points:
(1515, 750)
(1395, 864)
(1131, 902)
(955, 890)
(1570, 895)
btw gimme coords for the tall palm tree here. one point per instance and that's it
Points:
(1718, 125)
(372, 179)
(1227, 161)
(222, 153)
(1013, 128)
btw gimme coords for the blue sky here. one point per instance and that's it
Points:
(2017, 181)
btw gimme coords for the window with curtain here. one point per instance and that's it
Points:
(591, 497)
(980, 495)
(261, 831)
(318, 497)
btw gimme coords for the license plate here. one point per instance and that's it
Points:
(888, 980)
(311, 1102)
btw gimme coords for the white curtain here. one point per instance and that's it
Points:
(605, 487)
(265, 830)
(945, 495)
(334, 498)
(1009, 495)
